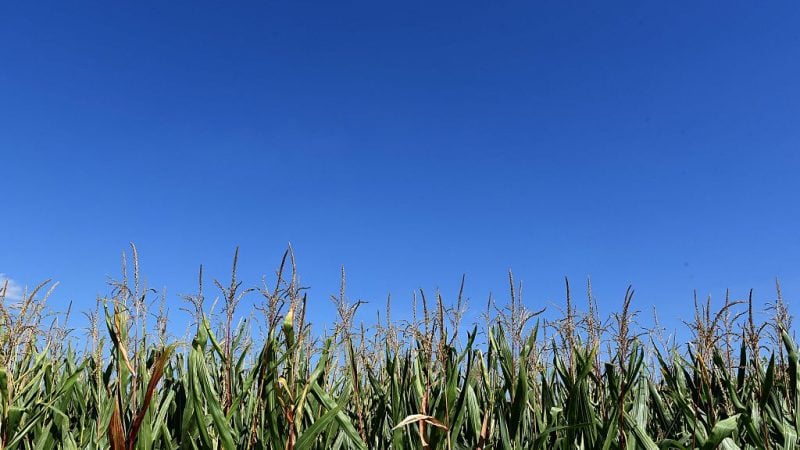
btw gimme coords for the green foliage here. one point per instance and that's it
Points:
(431, 391)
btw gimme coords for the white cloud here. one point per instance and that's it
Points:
(13, 289)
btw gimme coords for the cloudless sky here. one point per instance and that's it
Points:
(651, 143)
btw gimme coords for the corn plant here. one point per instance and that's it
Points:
(515, 381)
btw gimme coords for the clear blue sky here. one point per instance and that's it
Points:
(652, 143)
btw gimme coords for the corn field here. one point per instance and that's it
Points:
(270, 381)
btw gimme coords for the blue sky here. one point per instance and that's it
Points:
(637, 142)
